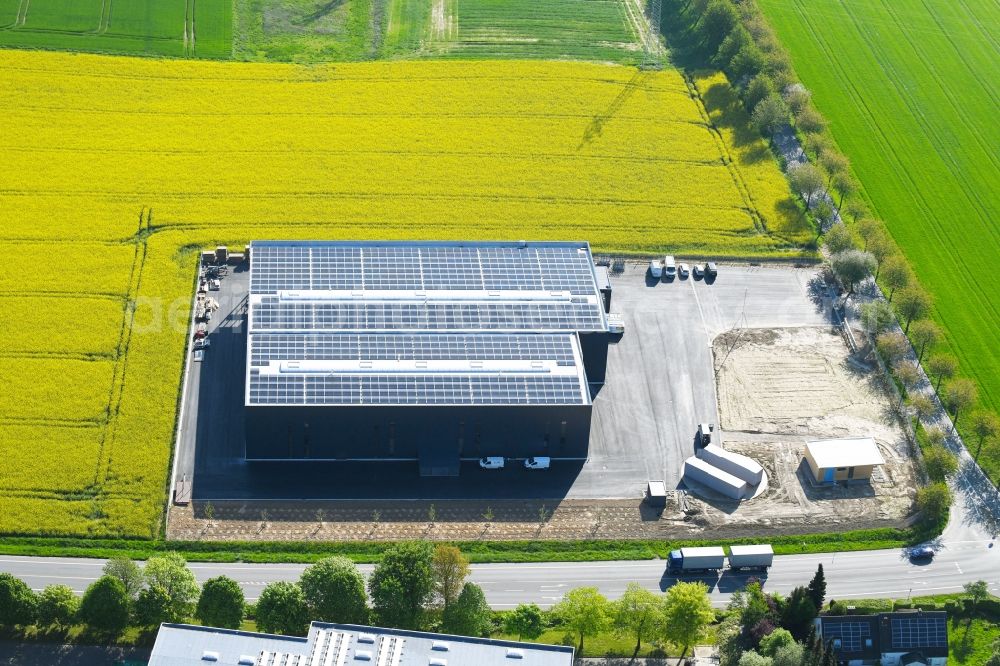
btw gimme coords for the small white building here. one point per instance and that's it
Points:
(833, 460)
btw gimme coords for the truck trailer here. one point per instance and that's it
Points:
(758, 558)
(690, 560)
(713, 558)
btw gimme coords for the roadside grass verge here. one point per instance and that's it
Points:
(476, 551)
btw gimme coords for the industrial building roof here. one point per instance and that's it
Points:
(339, 644)
(405, 323)
(827, 453)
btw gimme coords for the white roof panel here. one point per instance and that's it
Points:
(859, 452)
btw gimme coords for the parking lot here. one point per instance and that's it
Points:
(660, 384)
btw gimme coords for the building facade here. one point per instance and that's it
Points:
(431, 352)
(843, 460)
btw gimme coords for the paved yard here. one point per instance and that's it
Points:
(660, 384)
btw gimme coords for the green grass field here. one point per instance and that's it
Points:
(316, 30)
(911, 91)
(181, 28)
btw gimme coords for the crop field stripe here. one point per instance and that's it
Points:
(919, 127)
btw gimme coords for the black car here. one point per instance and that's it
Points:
(918, 553)
(711, 270)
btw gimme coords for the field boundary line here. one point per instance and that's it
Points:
(727, 157)
(121, 365)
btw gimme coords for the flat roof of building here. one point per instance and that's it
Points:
(407, 323)
(858, 452)
(187, 645)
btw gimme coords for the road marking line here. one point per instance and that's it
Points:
(958, 567)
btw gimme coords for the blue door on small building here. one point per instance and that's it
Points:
(828, 476)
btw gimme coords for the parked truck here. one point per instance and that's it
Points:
(713, 558)
(757, 558)
(694, 560)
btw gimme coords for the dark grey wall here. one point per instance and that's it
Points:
(594, 347)
(560, 431)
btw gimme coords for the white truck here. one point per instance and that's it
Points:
(757, 557)
(701, 559)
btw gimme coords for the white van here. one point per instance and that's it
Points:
(655, 268)
(539, 462)
(669, 267)
(491, 462)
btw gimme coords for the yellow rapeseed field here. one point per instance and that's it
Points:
(116, 170)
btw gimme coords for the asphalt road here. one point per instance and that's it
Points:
(870, 574)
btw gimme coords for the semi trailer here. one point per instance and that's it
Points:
(713, 558)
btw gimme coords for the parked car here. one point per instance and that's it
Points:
(698, 270)
(492, 462)
(215, 285)
(199, 355)
(683, 270)
(655, 268)
(540, 462)
(711, 270)
(202, 343)
(918, 553)
(669, 267)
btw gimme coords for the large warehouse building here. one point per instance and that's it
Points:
(431, 352)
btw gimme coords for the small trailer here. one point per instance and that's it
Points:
(757, 557)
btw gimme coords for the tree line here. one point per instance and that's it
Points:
(414, 586)
(734, 36)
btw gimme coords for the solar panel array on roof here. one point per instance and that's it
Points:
(334, 323)
(852, 635)
(284, 266)
(919, 632)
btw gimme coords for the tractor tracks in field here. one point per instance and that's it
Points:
(117, 389)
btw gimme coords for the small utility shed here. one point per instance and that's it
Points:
(833, 460)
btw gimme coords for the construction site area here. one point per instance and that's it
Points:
(754, 352)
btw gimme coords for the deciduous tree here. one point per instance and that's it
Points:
(760, 87)
(895, 274)
(940, 463)
(334, 590)
(717, 21)
(845, 185)
(806, 180)
(450, 568)
(907, 372)
(687, 612)
(852, 266)
(468, 614)
(282, 609)
(810, 121)
(128, 572)
(57, 605)
(222, 603)
(105, 605)
(986, 426)
(877, 316)
(525, 621)
(913, 303)
(838, 239)
(638, 614)
(402, 583)
(923, 405)
(892, 346)
(959, 394)
(152, 606)
(925, 333)
(769, 115)
(18, 603)
(933, 502)
(942, 366)
(170, 572)
(774, 641)
(796, 97)
(976, 592)
(584, 611)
